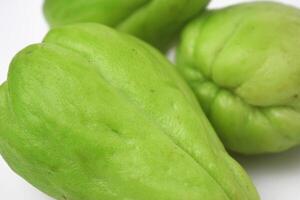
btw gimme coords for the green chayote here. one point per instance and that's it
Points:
(243, 63)
(155, 21)
(94, 114)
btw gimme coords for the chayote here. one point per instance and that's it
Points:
(243, 64)
(94, 114)
(155, 21)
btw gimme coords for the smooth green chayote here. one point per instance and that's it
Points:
(94, 114)
(155, 21)
(243, 64)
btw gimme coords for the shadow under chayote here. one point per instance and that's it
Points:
(284, 162)
(276, 176)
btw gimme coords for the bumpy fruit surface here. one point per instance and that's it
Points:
(155, 21)
(243, 64)
(94, 114)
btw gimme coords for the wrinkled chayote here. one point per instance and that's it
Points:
(94, 114)
(243, 63)
(155, 21)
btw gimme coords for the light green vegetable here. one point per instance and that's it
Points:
(243, 64)
(155, 21)
(94, 114)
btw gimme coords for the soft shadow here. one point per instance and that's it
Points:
(287, 161)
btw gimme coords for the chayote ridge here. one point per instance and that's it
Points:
(91, 113)
(243, 64)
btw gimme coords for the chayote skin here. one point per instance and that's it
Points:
(94, 114)
(155, 21)
(243, 64)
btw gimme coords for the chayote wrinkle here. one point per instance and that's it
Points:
(156, 21)
(253, 108)
(139, 9)
(209, 76)
(227, 41)
(8, 126)
(25, 129)
(264, 111)
(196, 69)
(98, 74)
(63, 43)
(285, 137)
(20, 124)
(140, 109)
(170, 27)
(191, 71)
(239, 186)
(75, 5)
(231, 35)
(176, 86)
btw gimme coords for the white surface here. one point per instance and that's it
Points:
(277, 177)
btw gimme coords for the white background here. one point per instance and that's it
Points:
(277, 177)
